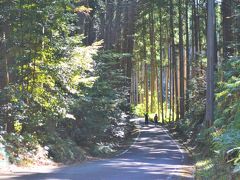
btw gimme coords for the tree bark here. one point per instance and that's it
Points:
(145, 65)
(161, 65)
(166, 91)
(181, 59)
(227, 20)
(174, 66)
(4, 73)
(210, 63)
(187, 56)
(153, 57)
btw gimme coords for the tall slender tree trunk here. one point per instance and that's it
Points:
(197, 30)
(181, 59)
(21, 44)
(145, 65)
(166, 91)
(187, 55)
(158, 90)
(153, 57)
(210, 63)
(146, 87)
(142, 74)
(130, 35)
(227, 19)
(118, 24)
(193, 53)
(174, 65)
(170, 81)
(109, 25)
(4, 73)
(161, 65)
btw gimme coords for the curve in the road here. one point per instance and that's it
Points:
(154, 155)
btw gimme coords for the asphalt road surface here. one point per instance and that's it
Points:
(154, 155)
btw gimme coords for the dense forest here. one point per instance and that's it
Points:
(62, 88)
(72, 73)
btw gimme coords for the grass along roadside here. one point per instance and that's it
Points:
(208, 166)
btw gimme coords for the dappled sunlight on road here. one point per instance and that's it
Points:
(159, 156)
(154, 155)
(149, 168)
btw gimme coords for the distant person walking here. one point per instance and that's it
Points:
(155, 120)
(146, 118)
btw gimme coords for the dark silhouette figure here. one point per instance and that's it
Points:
(155, 120)
(146, 118)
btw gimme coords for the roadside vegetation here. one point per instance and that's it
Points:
(63, 93)
(186, 60)
(72, 72)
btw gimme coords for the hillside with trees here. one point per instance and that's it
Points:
(61, 87)
(186, 69)
(73, 72)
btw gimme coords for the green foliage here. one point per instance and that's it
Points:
(183, 126)
(227, 121)
(101, 149)
(223, 138)
(203, 168)
(140, 110)
(20, 147)
(212, 169)
(103, 106)
(228, 139)
(72, 93)
(62, 150)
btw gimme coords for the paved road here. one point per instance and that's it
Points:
(154, 155)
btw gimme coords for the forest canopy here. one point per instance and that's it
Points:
(72, 73)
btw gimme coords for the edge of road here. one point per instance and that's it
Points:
(138, 128)
(137, 122)
(178, 146)
(9, 172)
(181, 148)
(175, 142)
